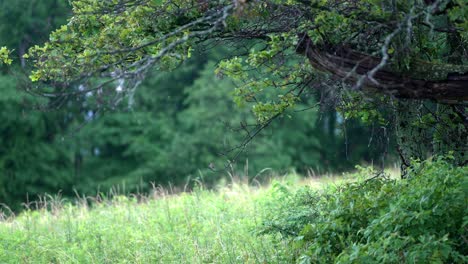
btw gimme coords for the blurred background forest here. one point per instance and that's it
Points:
(179, 122)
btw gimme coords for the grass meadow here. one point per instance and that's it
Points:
(366, 217)
(202, 226)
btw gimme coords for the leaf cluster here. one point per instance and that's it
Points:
(419, 220)
(4, 56)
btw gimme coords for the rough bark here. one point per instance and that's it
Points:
(443, 83)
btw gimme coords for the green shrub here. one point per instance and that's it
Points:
(419, 220)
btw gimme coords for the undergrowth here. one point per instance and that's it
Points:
(419, 220)
(370, 219)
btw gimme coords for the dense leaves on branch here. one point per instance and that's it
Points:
(389, 47)
(169, 130)
(400, 50)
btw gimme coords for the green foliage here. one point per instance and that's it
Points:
(4, 56)
(96, 30)
(201, 227)
(261, 80)
(457, 15)
(111, 40)
(419, 220)
(33, 157)
(181, 121)
(26, 22)
(408, 42)
(367, 109)
(178, 123)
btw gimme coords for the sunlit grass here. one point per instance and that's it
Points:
(203, 226)
(198, 227)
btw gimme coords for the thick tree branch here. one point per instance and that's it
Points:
(440, 84)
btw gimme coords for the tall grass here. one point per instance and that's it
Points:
(225, 225)
(199, 227)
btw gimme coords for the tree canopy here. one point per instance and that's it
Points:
(175, 124)
(400, 49)
(397, 47)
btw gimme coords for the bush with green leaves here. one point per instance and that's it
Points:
(420, 220)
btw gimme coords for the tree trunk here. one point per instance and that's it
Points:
(424, 129)
(451, 133)
(412, 138)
